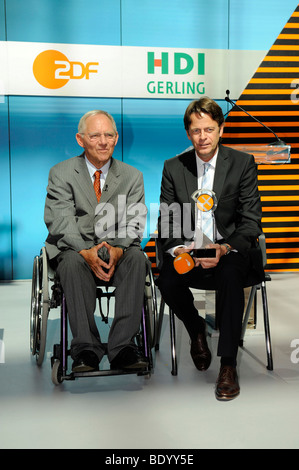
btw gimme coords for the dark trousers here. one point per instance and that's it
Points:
(79, 286)
(228, 279)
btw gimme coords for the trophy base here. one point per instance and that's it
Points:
(204, 253)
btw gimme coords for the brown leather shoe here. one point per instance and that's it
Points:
(200, 352)
(227, 385)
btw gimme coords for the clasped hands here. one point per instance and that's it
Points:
(102, 270)
(205, 263)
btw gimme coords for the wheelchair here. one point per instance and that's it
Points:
(47, 294)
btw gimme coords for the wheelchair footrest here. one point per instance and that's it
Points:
(108, 372)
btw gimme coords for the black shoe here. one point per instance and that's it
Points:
(86, 361)
(227, 385)
(199, 351)
(128, 358)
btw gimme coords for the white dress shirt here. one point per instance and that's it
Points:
(200, 170)
(92, 169)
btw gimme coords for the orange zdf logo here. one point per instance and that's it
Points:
(52, 69)
(205, 202)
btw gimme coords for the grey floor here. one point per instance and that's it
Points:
(160, 412)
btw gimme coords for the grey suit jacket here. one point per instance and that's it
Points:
(73, 216)
(238, 213)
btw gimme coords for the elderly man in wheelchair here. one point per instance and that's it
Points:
(94, 239)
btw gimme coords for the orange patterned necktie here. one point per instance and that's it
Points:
(97, 184)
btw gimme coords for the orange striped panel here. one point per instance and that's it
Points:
(265, 102)
(280, 229)
(268, 91)
(282, 240)
(279, 198)
(280, 219)
(281, 168)
(287, 47)
(281, 270)
(262, 134)
(269, 124)
(291, 25)
(269, 97)
(264, 113)
(278, 177)
(279, 188)
(280, 209)
(283, 250)
(289, 36)
(283, 260)
(281, 58)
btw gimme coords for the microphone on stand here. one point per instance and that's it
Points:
(278, 140)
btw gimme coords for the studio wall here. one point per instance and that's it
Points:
(39, 131)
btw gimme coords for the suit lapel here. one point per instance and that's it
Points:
(83, 179)
(220, 171)
(112, 181)
(190, 177)
(190, 173)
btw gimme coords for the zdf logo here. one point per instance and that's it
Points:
(53, 70)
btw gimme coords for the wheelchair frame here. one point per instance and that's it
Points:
(42, 302)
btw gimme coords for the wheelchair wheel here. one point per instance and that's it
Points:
(150, 304)
(56, 373)
(39, 306)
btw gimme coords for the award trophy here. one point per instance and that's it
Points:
(206, 203)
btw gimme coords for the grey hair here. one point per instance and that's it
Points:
(82, 122)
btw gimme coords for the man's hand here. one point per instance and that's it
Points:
(205, 263)
(100, 268)
(183, 249)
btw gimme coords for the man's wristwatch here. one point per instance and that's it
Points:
(228, 248)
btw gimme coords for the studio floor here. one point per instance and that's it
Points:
(160, 412)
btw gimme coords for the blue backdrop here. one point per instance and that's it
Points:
(37, 132)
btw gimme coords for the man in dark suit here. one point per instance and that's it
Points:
(94, 235)
(233, 178)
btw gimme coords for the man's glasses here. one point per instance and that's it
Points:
(96, 137)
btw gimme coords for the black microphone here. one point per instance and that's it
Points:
(105, 187)
(279, 141)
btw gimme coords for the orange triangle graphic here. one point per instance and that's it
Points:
(272, 96)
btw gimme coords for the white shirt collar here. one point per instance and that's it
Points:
(200, 162)
(91, 168)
